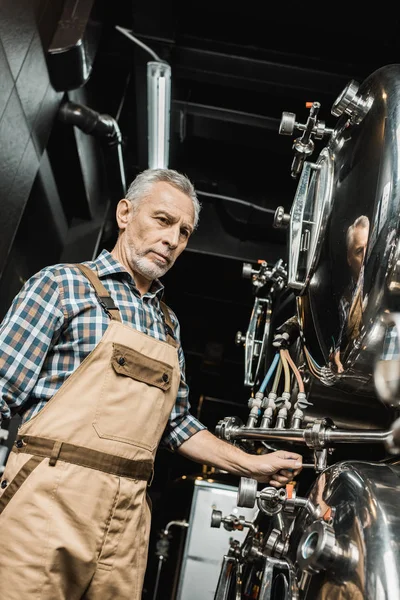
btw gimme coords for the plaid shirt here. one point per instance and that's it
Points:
(56, 321)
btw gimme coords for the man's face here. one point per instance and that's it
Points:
(158, 231)
(357, 248)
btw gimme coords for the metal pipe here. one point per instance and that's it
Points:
(159, 567)
(162, 550)
(99, 125)
(300, 435)
(361, 437)
(183, 524)
(105, 127)
(256, 433)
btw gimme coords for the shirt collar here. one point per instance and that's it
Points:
(107, 265)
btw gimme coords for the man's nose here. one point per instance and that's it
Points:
(171, 237)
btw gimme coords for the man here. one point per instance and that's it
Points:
(91, 359)
(351, 303)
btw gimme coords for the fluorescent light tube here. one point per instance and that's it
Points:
(158, 113)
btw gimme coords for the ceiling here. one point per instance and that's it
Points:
(235, 69)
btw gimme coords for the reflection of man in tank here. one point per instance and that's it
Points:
(352, 303)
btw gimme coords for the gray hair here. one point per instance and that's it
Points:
(361, 221)
(143, 182)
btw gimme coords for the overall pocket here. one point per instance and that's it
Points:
(131, 404)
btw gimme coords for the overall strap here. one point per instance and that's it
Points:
(169, 328)
(102, 294)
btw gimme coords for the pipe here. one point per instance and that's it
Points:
(162, 550)
(103, 126)
(269, 373)
(301, 435)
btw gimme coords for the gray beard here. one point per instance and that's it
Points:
(149, 269)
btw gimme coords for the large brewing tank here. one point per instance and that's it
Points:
(345, 542)
(343, 241)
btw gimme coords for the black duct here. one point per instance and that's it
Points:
(106, 128)
(74, 45)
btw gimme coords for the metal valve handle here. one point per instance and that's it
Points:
(247, 492)
(216, 518)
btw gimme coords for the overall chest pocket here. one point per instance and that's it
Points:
(132, 405)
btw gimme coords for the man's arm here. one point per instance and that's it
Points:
(276, 468)
(26, 334)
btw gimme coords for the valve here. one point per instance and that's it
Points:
(276, 545)
(319, 550)
(225, 426)
(234, 548)
(231, 523)
(352, 103)
(269, 499)
(304, 146)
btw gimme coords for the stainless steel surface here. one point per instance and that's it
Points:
(278, 581)
(359, 553)
(363, 180)
(216, 518)
(352, 103)
(309, 215)
(226, 578)
(325, 437)
(320, 550)
(247, 492)
(339, 539)
(281, 219)
(387, 366)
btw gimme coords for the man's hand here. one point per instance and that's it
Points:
(276, 468)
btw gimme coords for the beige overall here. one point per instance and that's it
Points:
(74, 517)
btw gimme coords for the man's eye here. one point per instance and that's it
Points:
(185, 233)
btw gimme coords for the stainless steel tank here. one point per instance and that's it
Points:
(339, 537)
(344, 230)
(345, 542)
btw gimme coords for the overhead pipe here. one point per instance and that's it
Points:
(105, 127)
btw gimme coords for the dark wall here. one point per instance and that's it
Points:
(52, 197)
(28, 105)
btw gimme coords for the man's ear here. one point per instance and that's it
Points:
(123, 213)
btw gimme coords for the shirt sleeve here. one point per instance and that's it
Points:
(181, 425)
(26, 333)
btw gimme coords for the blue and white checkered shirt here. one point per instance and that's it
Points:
(56, 321)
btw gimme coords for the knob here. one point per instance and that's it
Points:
(281, 219)
(288, 123)
(247, 492)
(216, 518)
(247, 271)
(240, 339)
